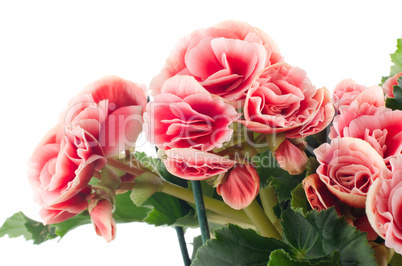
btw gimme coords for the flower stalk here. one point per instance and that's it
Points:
(210, 203)
(182, 193)
(183, 246)
(268, 201)
(200, 208)
(261, 221)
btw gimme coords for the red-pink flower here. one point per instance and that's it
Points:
(60, 169)
(389, 84)
(345, 92)
(320, 198)
(99, 123)
(240, 187)
(185, 115)
(111, 110)
(318, 195)
(282, 99)
(223, 58)
(367, 103)
(193, 164)
(290, 157)
(348, 167)
(101, 216)
(384, 205)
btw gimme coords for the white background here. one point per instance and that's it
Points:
(50, 50)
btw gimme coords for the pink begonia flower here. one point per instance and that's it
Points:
(191, 164)
(99, 123)
(389, 84)
(348, 166)
(282, 99)
(320, 198)
(382, 131)
(240, 187)
(318, 195)
(366, 103)
(60, 169)
(101, 216)
(185, 115)
(345, 92)
(384, 205)
(223, 58)
(291, 158)
(111, 109)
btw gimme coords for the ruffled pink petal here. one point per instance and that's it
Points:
(323, 117)
(244, 30)
(121, 130)
(201, 61)
(372, 95)
(75, 106)
(38, 166)
(56, 213)
(371, 206)
(240, 187)
(118, 91)
(193, 164)
(182, 86)
(236, 51)
(50, 216)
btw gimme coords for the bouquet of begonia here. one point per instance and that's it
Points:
(271, 169)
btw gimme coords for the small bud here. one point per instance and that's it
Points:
(101, 215)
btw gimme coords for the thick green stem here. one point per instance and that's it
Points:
(269, 200)
(183, 246)
(210, 203)
(261, 221)
(224, 220)
(181, 193)
(125, 167)
(200, 208)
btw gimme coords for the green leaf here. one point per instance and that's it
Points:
(319, 234)
(165, 209)
(396, 58)
(311, 166)
(20, 225)
(15, 226)
(197, 243)
(269, 171)
(233, 245)
(188, 220)
(396, 102)
(146, 185)
(126, 211)
(64, 227)
(299, 200)
(281, 257)
(302, 235)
